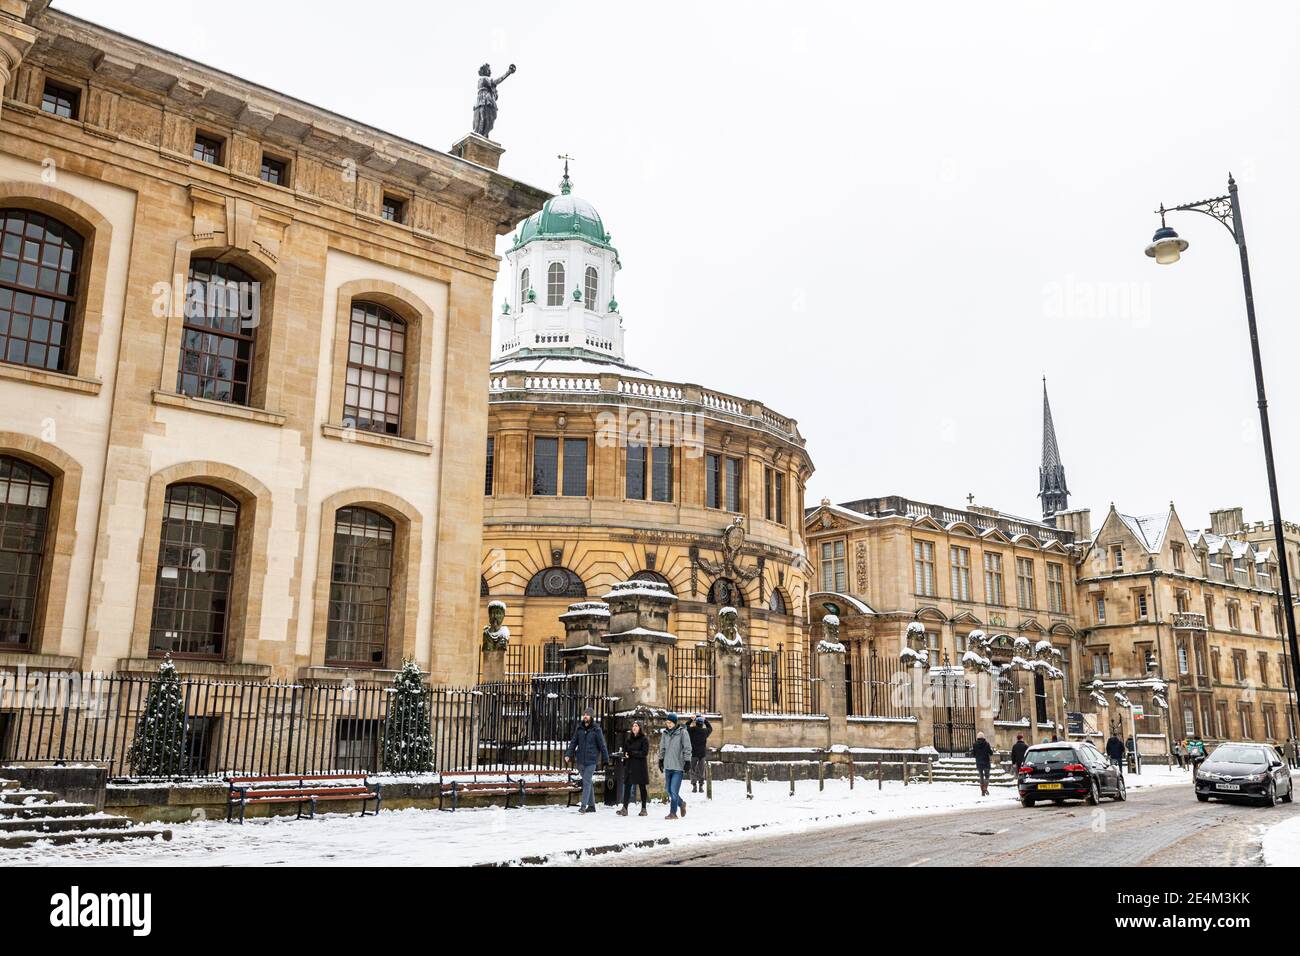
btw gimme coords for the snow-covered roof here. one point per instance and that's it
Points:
(589, 364)
(1150, 530)
(860, 606)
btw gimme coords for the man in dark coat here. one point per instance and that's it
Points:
(586, 750)
(699, 731)
(983, 754)
(1018, 751)
(1115, 750)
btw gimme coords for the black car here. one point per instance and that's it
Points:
(1244, 771)
(1070, 770)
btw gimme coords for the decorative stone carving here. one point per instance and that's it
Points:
(728, 636)
(830, 642)
(496, 636)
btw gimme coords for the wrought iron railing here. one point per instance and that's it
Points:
(692, 679)
(781, 682)
(876, 686)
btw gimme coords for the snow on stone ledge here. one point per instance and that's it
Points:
(647, 589)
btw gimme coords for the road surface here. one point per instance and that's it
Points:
(1161, 826)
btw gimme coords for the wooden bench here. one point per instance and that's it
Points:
(508, 784)
(302, 789)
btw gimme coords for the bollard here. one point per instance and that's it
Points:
(930, 769)
(708, 780)
(792, 780)
(749, 782)
(821, 776)
(905, 775)
(880, 776)
(852, 773)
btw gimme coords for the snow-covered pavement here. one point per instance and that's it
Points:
(1282, 843)
(543, 834)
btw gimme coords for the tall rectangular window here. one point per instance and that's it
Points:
(993, 592)
(661, 472)
(733, 484)
(923, 567)
(959, 564)
(712, 481)
(491, 465)
(575, 467)
(1056, 588)
(1117, 558)
(834, 571)
(1140, 604)
(1025, 583)
(546, 466)
(560, 466)
(774, 495)
(1099, 608)
(636, 462)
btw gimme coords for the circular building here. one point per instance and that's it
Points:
(599, 471)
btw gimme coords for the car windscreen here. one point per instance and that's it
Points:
(1051, 756)
(1232, 754)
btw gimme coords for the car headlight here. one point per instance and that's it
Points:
(1255, 777)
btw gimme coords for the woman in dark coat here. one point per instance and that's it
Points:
(636, 748)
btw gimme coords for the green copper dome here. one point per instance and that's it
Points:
(564, 217)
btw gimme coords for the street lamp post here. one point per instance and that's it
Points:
(1166, 247)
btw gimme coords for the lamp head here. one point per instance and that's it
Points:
(1166, 246)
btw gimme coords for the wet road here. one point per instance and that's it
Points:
(1161, 826)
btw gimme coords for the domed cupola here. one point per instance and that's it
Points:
(561, 307)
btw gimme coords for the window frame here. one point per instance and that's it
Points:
(554, 285)
(381, 523)
(561, 466)
(208, 144)
(62, 91)
(397, 326)
(591, 288)
(67, 243)
(274, 163)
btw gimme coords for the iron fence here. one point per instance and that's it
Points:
(693, 680)
(781, 682)
(526, 660)
(875, 686)
(215, 728)
(1011, 699)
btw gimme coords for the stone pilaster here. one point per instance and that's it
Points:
(985, 698)
(16, 38)
(585, 626)
(639, 644)
(480, 150)
(729, 695)
(830, 667)
(922, 703)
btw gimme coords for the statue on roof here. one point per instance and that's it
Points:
(485, 108)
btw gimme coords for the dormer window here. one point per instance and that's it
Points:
(591, 290)
(207, 149)
(394, 209)
(60, 100)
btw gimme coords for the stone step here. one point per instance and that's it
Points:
(15, 841)
(8, 784)
(48, 824)
(18, 811)
(27, 796)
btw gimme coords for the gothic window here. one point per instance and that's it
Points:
(24, 515)
(726, 592)
(523, 287)
(555, 582)
(39, 259)
(196, 562)
(219, 334)
(372, 395)
(555, 283)
(361, 584)
(591, 288)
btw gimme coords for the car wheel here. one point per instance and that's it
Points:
(1270, 795)
(1027, 801)
(1093, 797)
(1121, 791)
(1203, 797)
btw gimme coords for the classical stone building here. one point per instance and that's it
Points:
(1196, 609)
(1230, 523)
(242, 354)
(599, 471)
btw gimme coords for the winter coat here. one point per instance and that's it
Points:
(587, 748)
(1018, 753)
(700, 738)
(635, 751)
(1114, 749)
(983, 754)
(674, 749)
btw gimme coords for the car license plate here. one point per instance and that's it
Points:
(1049, 786)
(1227, 786)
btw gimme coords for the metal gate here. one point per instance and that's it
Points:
(954, 714)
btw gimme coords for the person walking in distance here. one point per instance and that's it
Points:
(983, 754)
(1115, 750)
(1018, 751)
(636, 748)
(587, 749)
(674, 761)
(699, 731)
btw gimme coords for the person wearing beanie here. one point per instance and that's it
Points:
(674, 761)
(587, 749)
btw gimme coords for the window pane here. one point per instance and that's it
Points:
(360, 588)
(733, 484)
(222, 306)
(575, 467)
(24, 500)
(546, 468)
(663, 473)
(555, 284)
(377, 367)
(712, 481)
(39, 258)
(636, 470)
(491, 465)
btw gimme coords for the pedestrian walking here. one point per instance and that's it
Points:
(1196, 750)
(1018, 751)
(1115, 750)
(1290, 752)
(1179, 754)
(585, 751)
(636, 748)
(674, 761)
(983, 754)
(699, 732)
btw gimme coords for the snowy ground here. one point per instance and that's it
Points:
(1282, 843)
(544, 834)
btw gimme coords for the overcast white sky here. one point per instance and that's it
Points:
(886, 220)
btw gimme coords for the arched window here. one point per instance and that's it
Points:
(24, 514)
(361, 585)
(222, 313)
(482, 586)
(591, 288)
(39, 258)
(555, 283)
(555, 582)
(372, 395)
(726, 592)
(650, 576)
(776, 602)
(196, 561)
(524, 286)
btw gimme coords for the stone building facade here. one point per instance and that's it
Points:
(244, 347)
(600, 472)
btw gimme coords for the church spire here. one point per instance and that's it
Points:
(1051, 473)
